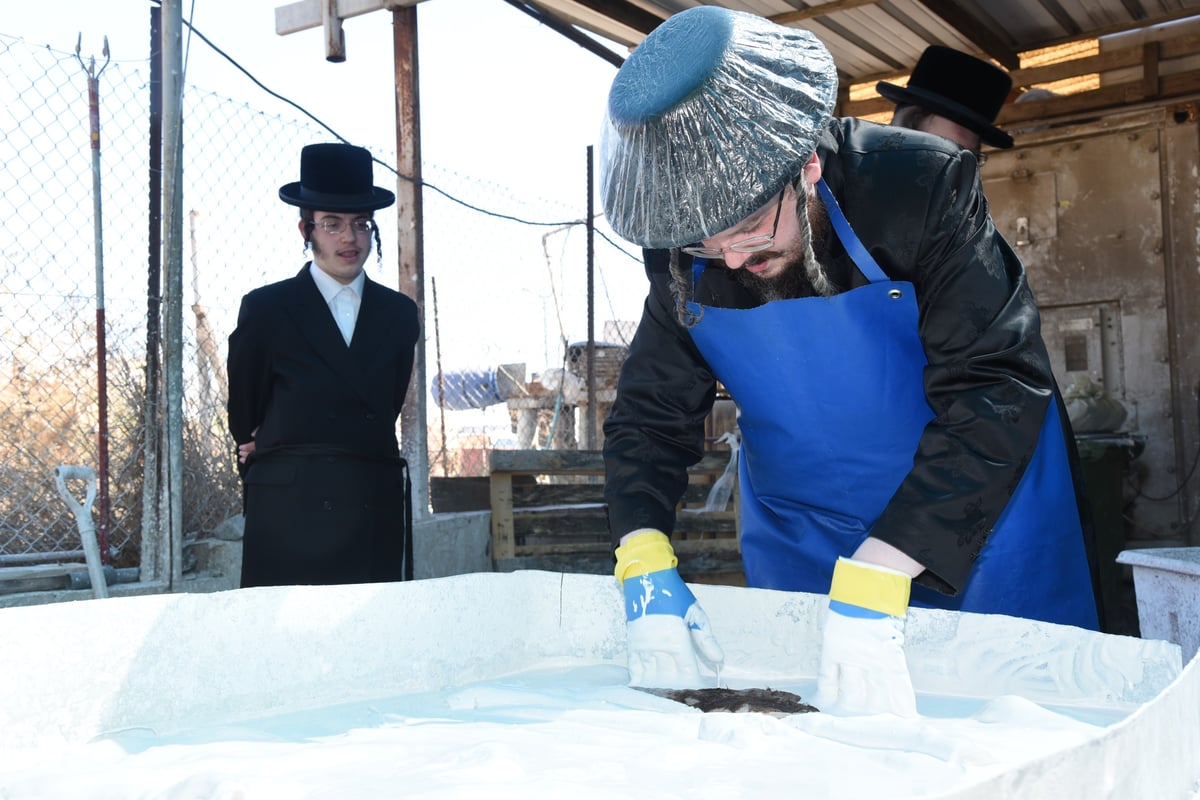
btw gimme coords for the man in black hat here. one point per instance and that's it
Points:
(318, 368)
(903, 442)
(953, 95)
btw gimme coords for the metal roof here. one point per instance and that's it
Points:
(881, 39)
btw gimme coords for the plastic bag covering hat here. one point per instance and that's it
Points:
(709, 117)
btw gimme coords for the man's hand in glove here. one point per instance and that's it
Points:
(863, 670)
(666, 626)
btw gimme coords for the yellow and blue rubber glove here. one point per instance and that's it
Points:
(863, 669)
(667, 629)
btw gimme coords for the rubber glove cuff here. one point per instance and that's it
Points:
(667, 629)
(647, 551)
(863, 668)
(867, 590)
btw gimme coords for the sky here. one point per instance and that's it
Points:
(507, 105)
(486, 69)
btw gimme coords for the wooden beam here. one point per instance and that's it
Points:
(503, 540)
(599, 22)
(1148, 57)
(565, 28)
(305, 14)
(335, 37)
(1111, 30)
(624, 13)
(975, 31)
(1106, 98)
(410, 239)
(815, 12)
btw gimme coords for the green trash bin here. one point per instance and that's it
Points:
(1104, 458)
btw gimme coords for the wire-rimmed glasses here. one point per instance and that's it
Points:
(751, 244)
(335, 225)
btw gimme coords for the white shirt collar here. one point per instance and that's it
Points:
(330, 287)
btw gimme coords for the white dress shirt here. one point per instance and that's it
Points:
(343, 299)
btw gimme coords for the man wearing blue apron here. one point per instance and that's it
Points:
(902, 437)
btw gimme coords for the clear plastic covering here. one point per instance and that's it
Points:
(707, 119)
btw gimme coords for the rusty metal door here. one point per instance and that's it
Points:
(1104, 216)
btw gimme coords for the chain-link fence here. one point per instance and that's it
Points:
(506, 296)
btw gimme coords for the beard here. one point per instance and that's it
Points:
(802, 274)
(790, 283)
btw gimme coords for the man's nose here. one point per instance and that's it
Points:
(735, 260)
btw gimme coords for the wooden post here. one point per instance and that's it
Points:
(335, 37)
(410, 243)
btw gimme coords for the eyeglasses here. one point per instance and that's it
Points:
(335, 225)
(751, 244)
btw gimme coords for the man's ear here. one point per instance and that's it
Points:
(300, 225)
(812, 170)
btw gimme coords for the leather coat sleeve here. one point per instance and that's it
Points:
(655, 429)
(988, 379)
(248, 374)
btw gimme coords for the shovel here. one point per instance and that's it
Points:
(83, 518)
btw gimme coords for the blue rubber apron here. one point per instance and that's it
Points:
(832, 409)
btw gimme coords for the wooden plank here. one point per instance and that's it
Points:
(305, 14)
(603, 548)
(529, 494)
(556, 494)
(564, 525)
(1140, 55)
(684, 547)
(548, 462)
(573, 523)
(502, 516)
(713, 566)
(580, 462)
(460, 494)
(1117, 58)
(579, 521)
(693, 547)
(585, 563)
(723, 567)
(733, 577)
(1104, 98)
(471, 493)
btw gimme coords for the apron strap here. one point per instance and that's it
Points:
(862, 259)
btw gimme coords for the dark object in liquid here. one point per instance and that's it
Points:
(767, 701)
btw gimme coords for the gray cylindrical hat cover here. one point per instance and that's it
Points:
(709, 117)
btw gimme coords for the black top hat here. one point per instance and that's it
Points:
(335, 177)
(959, 87)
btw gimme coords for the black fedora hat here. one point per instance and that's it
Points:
(335, 177)
(959, 87)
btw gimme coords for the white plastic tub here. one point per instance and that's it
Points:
(512, 686)
(1167, 584)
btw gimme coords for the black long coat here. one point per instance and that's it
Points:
(916, 203)
(325, 498)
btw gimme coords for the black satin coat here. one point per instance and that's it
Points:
(916, 203)
(325, 490)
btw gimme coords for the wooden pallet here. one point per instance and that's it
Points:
(560, 523)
